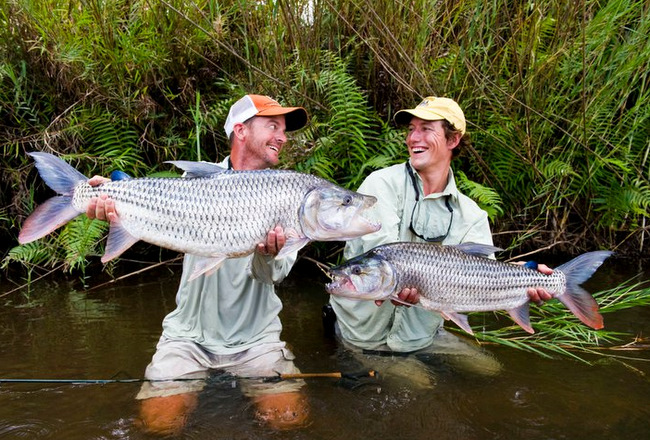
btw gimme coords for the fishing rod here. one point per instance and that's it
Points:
(78, 381)
(335, 374)
(277, 378)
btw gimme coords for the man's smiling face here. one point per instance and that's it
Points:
(265, 138)
(427, 143)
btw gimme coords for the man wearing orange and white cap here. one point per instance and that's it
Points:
(418, 201)
(228, 320)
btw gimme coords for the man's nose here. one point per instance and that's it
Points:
(415, 135)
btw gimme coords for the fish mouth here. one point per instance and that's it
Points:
(359, 224)
(371, 225)
(339, 285)
(343, 286)
(358, 227)
(368, 202)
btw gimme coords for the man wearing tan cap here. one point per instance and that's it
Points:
(228, 320)
(418, 201)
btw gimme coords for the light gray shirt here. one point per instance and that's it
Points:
(405, 329)
(233, 309)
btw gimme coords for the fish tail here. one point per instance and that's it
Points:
(577, 299)
(58, 210)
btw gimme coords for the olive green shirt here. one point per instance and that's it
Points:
(232, 309)
(405, 329)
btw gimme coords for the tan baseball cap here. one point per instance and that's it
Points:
(260, 105)
(434, 109)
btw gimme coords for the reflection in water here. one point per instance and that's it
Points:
(69, 333)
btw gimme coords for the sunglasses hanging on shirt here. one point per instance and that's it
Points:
(417, 200)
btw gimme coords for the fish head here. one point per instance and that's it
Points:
(368, 276)
(332, 213)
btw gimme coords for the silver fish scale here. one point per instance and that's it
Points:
(208, 215)
(454, 280)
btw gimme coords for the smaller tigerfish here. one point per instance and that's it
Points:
(456, 279)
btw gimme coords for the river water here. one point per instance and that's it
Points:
(63, 330)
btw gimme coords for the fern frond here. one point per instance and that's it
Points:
(36, 253)
(80, 238)
(556, 168)
(487, 198)
(112, 140)
(351, 121)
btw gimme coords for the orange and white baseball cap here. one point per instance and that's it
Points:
(260, 105)
(434, 109)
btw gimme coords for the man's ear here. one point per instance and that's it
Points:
(454, 140)
(239, 130)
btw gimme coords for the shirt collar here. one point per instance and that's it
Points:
(450, 190)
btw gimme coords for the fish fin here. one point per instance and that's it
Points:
(120, 175)
(53, 213)
(582, 267)
(575, 298)
(260, 273)
(206, 266)
(57, 211)
(197, 169)
(522, 317)
(582, 305)
(294, 243)
(119, 240)
(398, 300)
(57, 173)
(460, 320)
(480, 250)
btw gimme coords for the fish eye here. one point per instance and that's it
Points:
(356, 270)
(347, 200)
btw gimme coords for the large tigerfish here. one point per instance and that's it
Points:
(211, 212)
(455, 279)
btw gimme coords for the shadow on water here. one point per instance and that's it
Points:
(69, 333)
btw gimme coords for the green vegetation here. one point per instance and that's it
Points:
(557, 97)
(558, 332)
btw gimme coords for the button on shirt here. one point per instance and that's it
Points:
(231, 310)
(405, 329)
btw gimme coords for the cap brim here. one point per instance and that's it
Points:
(403, 117)
(295, 117)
